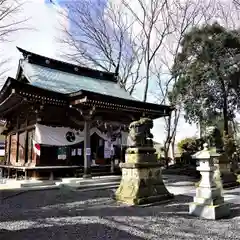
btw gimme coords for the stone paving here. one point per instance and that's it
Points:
(66, 214)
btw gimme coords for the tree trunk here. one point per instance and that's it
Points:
(225, 103)
(173, 148)
(146, 85)
(225, 117)
(166, 149)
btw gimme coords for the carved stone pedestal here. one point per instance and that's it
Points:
(208, 202)
(141, 178)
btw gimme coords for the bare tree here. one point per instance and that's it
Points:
(237, 4)
(9, 24)
(108, 39)
(227, 13)
(101, 37)
(153, 20)
(139, 39)
(184, 15)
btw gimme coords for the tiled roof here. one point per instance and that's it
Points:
(64, 82)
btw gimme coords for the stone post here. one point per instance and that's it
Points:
(223, 170)
(234, 164)
(208, 202)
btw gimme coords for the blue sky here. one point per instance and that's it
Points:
(42, 40)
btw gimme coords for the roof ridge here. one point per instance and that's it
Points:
(67, 67)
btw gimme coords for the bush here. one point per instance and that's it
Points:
(190, 145)
(185, 144)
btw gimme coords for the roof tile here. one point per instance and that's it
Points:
(65, 83)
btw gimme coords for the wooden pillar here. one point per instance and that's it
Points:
(1, 173)
(87, 116)
(51, 177)
(26, 175)
(9, 173)
(121, 146)
(87, 149)
(9, 149)
(16, 176)
(26, 143)
(17, 136)
(112, 165)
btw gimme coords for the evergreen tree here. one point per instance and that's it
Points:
(207, 71)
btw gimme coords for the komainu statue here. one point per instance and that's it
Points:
(214, 138)
(141, 181)
(140, 133)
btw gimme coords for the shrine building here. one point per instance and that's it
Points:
(62, 118)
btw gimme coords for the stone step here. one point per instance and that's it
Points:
(104, 179)
(10, 192)
(30, 183)
(13, 184)
(103, 185)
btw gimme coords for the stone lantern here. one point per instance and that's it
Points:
(208, 202)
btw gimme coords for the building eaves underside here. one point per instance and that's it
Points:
(15, 93)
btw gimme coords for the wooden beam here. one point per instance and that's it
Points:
(22, 129)
(78, 101)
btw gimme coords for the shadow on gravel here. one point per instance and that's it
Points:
(93, 215)
(66, 203)
(234, 211)
(92, 204)
(85, 231)
(234, 192)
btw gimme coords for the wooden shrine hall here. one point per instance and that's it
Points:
(59, 116)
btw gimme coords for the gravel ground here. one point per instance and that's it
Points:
(65, 214)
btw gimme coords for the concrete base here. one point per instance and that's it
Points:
(141, 183)
(136, 195)
(211, 212)
(87, 176)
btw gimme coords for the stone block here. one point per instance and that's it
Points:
(229, 180)
(225, 178)
(208, 192)
(208, 201)
(211, 212)
(140, 158)
(141, 182)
